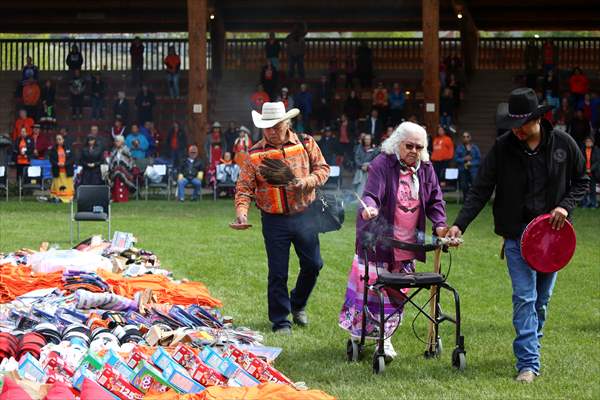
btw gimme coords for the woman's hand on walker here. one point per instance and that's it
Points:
(369, 213)
(453, 235)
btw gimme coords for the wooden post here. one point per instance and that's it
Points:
(217, 36)
(469, 37)
(431, 88)
(197, 83)
(431, 63)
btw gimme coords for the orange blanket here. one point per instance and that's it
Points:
(264, 391)
(16, 281)
(166, 291)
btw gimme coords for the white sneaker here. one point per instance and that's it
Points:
(388, 350)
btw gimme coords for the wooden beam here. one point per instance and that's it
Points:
(197, 80)
(217, 36)
(469, 36)
(431, 63)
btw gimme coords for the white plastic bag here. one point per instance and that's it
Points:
(68, 260)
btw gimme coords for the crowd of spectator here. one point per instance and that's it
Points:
(116, 156)
(575, 106)
(349, 128)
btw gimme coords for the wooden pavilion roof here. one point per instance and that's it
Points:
(95, 16)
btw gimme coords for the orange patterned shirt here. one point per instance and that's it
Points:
(281, 200)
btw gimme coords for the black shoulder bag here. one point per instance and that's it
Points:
(327, 209)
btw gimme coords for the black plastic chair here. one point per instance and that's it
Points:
(164, 172)
(93, 205)
(4, 179)
(32, 179)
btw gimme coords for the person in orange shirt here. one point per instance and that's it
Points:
(31, 96)
(23, 149)
(259, 97)
(173, 64)
(284, 207)
(61, 158)
(592, 169)
(242, 146)
(22, 122)
(443, 152)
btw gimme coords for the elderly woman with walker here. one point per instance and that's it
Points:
(402, 189)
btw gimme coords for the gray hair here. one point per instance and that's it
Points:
(119, 138)
(391, 144)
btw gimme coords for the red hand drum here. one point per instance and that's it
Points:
(546, 249)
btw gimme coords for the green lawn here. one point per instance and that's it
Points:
(194, 241)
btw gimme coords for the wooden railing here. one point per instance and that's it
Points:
(508, 53)
(388, 54)
(98, 54)
(249, 54)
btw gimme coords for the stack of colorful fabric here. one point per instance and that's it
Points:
(103, 335)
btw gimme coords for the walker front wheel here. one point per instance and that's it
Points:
(459, 359)
(353, 351)
(378, 363)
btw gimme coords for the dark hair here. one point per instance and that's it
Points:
(362, 141)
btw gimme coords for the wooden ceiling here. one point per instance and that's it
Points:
(91, 16)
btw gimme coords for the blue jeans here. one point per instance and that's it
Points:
(279, 232)
(531, 294)
(445, 120)
(274, 62)
(296, 61)
(590, 200)
(173, 80)
(97, 106)
(183, 182)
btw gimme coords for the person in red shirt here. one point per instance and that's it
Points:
(176, 144)
(549, 56)
(31, 96)
(22, 122)
(41, 144)
(381, 100)
(578, 86)
(443, 152)
(173, 64)
(258, 98)
(23, 149)
(269, 79)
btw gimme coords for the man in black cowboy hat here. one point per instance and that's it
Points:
(534, 169)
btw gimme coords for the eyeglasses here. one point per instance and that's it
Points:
(412, 146)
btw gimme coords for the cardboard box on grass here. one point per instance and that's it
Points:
(115, 383)
(148, 377)
(175, 374)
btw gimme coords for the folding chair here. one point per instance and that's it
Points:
(161, 171)
(334, 182)
(451, 174)
(93, 205)
(32, 179)
(4, 180)
(46, 171)
(220, 186)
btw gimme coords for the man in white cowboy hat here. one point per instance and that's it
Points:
(535, 170)
(281, 175)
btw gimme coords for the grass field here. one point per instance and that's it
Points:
(193, 240)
